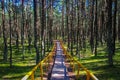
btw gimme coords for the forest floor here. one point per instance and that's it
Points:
(97, 65)
(19, 67)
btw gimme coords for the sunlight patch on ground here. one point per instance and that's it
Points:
(60, 69)
(8, 76)
(54, 75)
(93, 61)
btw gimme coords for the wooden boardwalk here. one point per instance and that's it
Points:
(59, 65)
(59, 71)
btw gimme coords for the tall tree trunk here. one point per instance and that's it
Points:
(96, 30)
(43, 29)
(51, 20)
(67, 22)
(91, 27)
(118, 21)
(118, 27)
(114, 25)
(4, 32)
(22, 30)
(35, 32)
(78, 27)
(29, 34)
(10, 35)
(71, 28)
(109, 31)
(16, 29)
(101, 27)
(63, 20)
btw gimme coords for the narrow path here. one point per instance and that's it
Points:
(59, 71)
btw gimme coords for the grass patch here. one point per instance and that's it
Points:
(20, 67)
(99, 65)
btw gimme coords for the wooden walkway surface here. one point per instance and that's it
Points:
(59, 71)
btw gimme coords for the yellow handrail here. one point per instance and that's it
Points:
(89, 75)
(40, 64)
(50, 58)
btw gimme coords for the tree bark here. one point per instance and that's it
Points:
(96, 30)
(67, 23)
(109, 32)
(5, 55)
(63, 20)
(22, 31)
(114, 25)
(35, 32)
(91, 27)
(10, 35)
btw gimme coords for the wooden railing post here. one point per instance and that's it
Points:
(41, 71)
(32, 76)
(73, 66)
(78, 71)
(88, 75)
